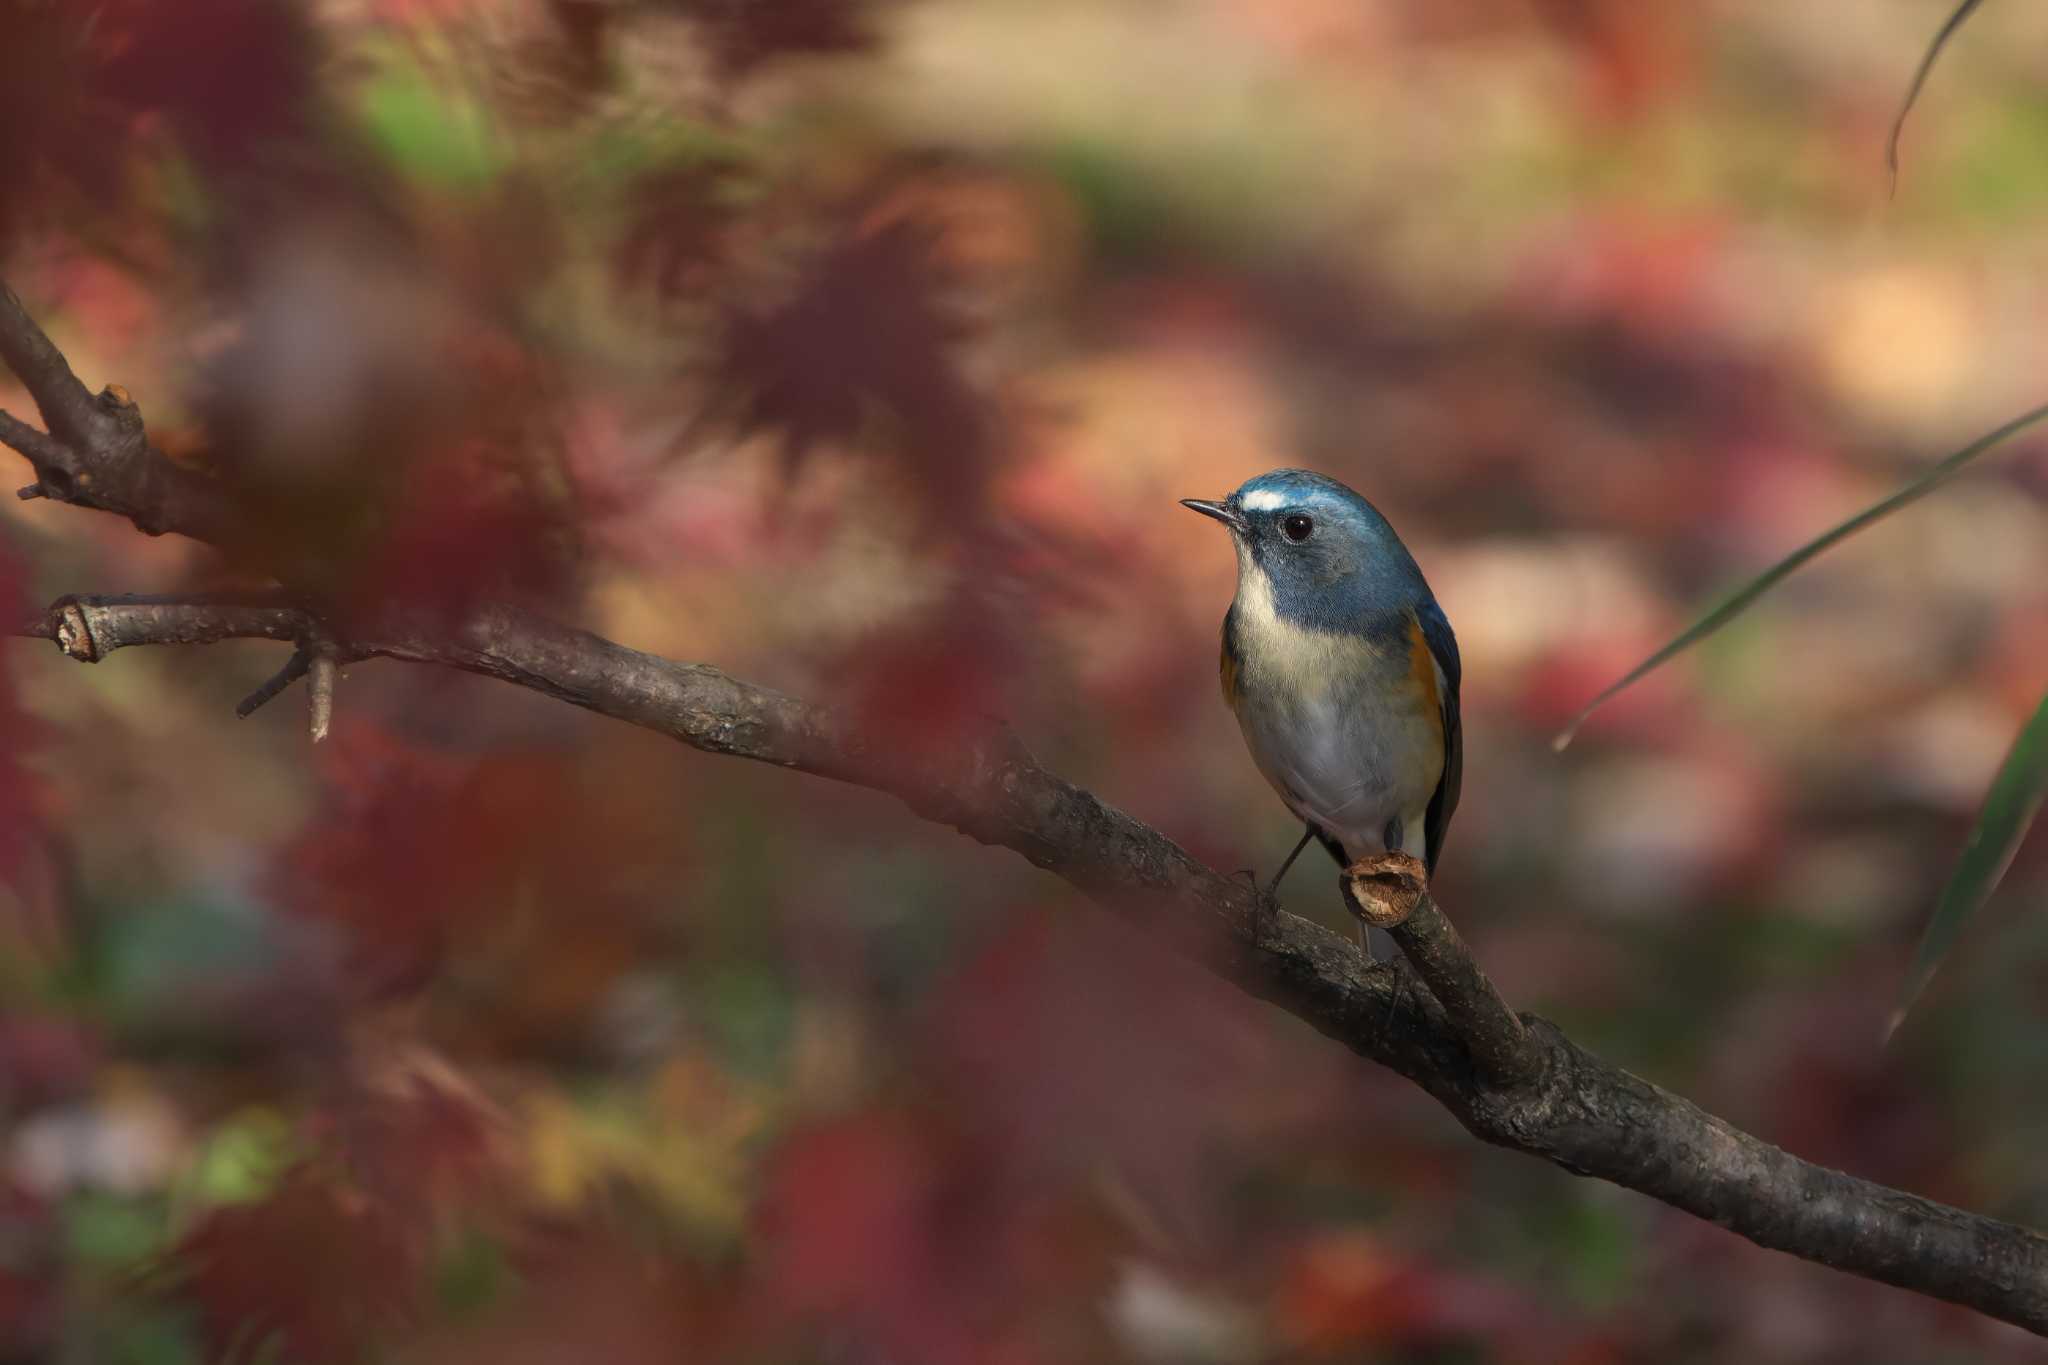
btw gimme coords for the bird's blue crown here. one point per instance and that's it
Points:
(1332, 560)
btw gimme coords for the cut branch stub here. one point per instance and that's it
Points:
(1384, 890)
(73, 632)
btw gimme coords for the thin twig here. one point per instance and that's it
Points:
(293, 670)
(325, 667)
(39, 448)
(1947, 31)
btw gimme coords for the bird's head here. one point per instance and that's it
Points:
(1323, 553)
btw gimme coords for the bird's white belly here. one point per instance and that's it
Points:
(1338, 723)
(1350, 759)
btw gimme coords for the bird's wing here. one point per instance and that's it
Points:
(1443, 648)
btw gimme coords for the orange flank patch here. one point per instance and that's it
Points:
(1424, 664)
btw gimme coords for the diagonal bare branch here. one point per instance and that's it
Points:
(1391, 891)
(67, 407)
(95, 453)
(1555, 1101)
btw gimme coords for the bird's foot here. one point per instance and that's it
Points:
(1383, 889)
(1264, 903)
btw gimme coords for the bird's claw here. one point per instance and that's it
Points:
(1265, 904)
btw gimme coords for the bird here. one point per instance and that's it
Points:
(1341, 668)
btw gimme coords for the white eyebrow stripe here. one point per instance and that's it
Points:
(1262, 500)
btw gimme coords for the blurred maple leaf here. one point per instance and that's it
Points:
(464, 527)
(230, 76)
(58, 134)
(20, 825)
(315, 1270)
(590, 1294)
(1632, 56)
(874, 1222)
(387, 434)
(676, 223)
(31, 1279)
(380, 861)
(81, 84)
(1341, 1290)
(546, 880)
(864, 341)
(927, 688)
(416, 1133)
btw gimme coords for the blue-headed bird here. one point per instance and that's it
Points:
(1341, 669)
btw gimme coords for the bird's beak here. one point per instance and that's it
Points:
(1222, 511)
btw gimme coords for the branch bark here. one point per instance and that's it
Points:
(1391, 892)
(96, 453)
(1519, 1083)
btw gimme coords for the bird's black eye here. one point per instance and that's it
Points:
(1297, 527)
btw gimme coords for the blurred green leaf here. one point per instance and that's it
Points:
(751, 1011)
(243, 1160)
(1733, 605)
(1947, 31)
(472, 1273)
(2015, 797)
(1991, 170)
(430, 131)
(106, 1229)
(1128, 214)
(160, 1337)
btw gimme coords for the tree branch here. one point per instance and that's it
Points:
(1518, 1083)
(1391, 892)
(1555, 1100)
(95, 453)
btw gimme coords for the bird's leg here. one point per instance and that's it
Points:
(1308, 832)
(1394, 1001)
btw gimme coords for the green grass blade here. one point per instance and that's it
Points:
(1927, 60)
(1732, 605)
(2009, 809)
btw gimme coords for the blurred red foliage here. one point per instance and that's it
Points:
(543, 871)
(883, 1227)
(860, 351)
(20, 822)
(746, 34)
(927, 689)
(31, 1275)
(232, 78)
(593, 1296)
(59, 140)
(364, 247)
(315, 1267)
(83, 87)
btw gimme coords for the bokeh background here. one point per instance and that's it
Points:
(863, 349)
